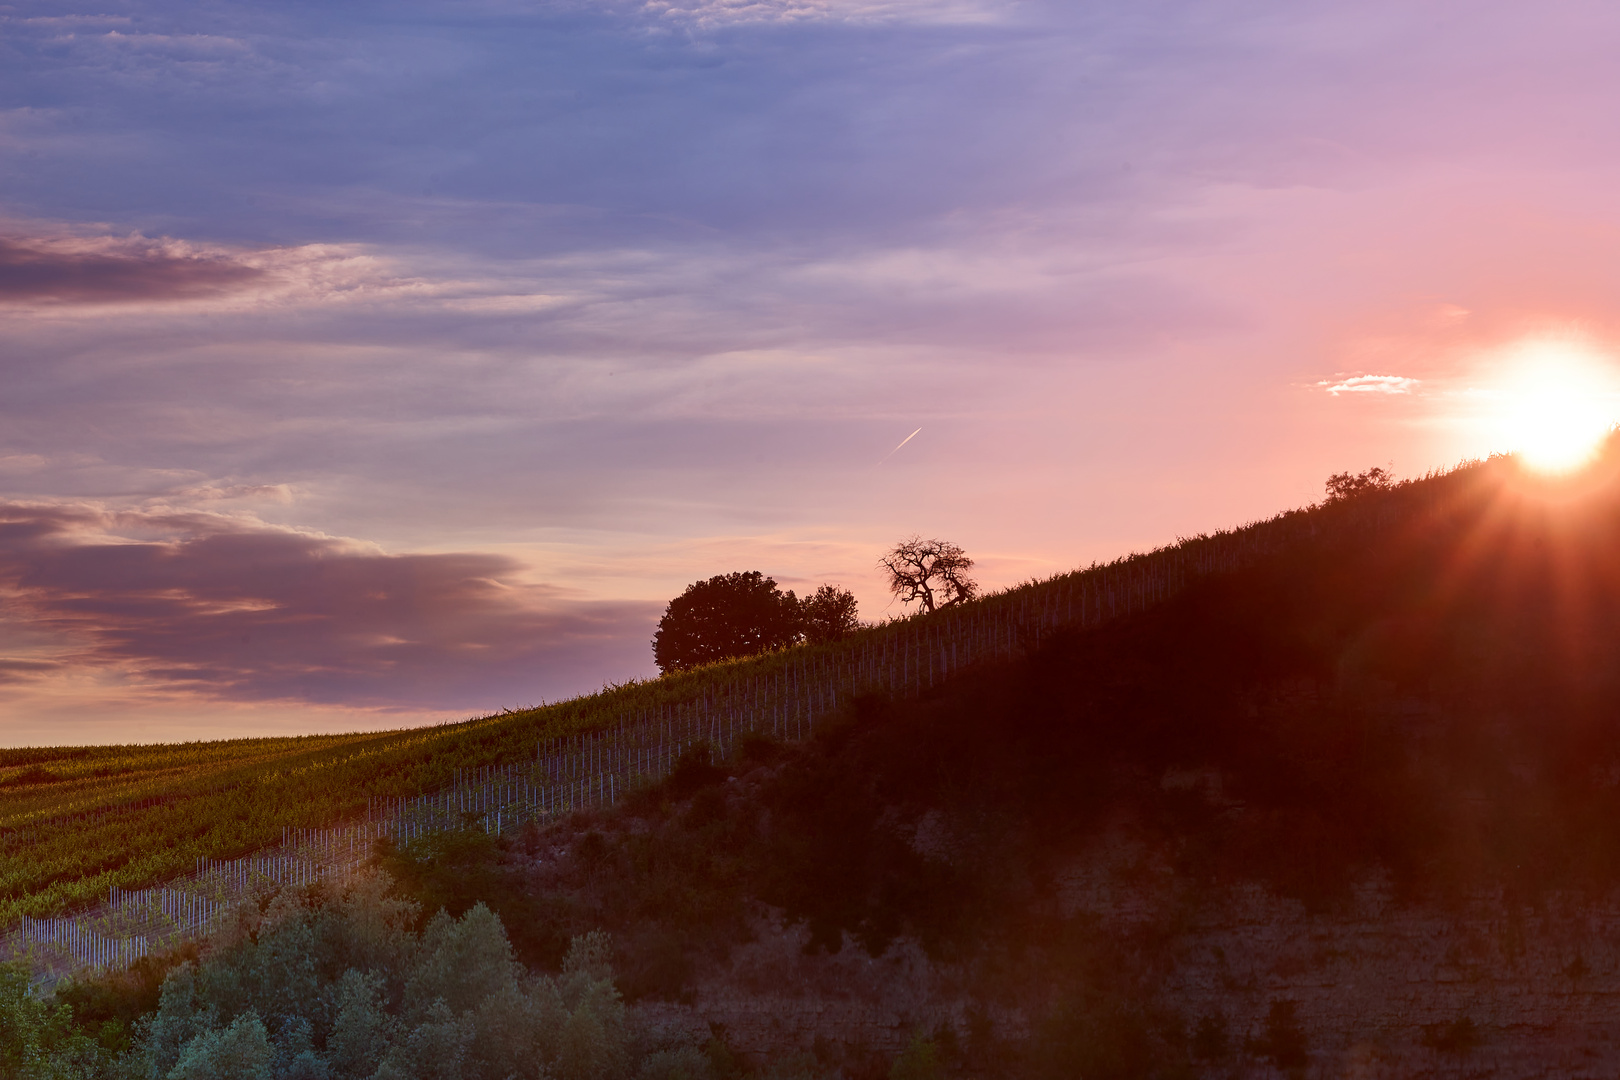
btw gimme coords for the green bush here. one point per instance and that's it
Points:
(39, 1040)
(338, 986)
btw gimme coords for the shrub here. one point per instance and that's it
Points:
(38, 1040)
(339, 987)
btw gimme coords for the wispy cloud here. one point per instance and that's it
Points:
(1370, 384)
(730, 12)
(45, 266)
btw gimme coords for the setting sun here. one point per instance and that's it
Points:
(1559, 402)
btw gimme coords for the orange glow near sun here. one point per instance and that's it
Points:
(1558, 400)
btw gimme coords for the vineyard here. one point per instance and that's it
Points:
(107, 851)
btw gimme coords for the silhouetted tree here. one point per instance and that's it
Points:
(728, 615)
(933, 571)
(1341, 486)
(828, 615)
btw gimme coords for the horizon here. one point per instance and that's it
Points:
(373, 366)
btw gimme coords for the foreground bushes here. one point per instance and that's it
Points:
(39, 1039)
(322, 985)
(342, 989)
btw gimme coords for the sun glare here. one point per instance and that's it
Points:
(1559, 401)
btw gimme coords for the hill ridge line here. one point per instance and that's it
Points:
(786, 694)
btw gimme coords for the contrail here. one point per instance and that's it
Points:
(903, 442)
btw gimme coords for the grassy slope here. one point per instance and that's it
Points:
(76, 820)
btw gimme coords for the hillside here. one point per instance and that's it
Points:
(1131, 849)
(1155, 818)
(77, 822)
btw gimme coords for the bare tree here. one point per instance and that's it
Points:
(933, 571)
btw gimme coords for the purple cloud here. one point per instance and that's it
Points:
(231, 609)
(23, 670)
(104, 271)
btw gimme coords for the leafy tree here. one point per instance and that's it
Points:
(728, 615)
(381, 1002)
(434, 1049)
(241, 1051)
(363, 1030)
(22, 1020)
(933, 571)
(334, 983)
(461, 963)
(829, 615)
(1342, 486)
(37, 1040)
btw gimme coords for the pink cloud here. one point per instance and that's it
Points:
(233, 610)
(98, 271)
(1369, 384)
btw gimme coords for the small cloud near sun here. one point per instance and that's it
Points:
(1369, 384)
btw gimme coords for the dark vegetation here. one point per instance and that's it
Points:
(744, 614)
(828, 615)
(1426, 690)
(724, 616)
(351, 984)
(1346, 485)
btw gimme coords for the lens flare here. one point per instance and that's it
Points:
(1559, 401)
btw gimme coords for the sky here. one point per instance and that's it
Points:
(375, 364)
